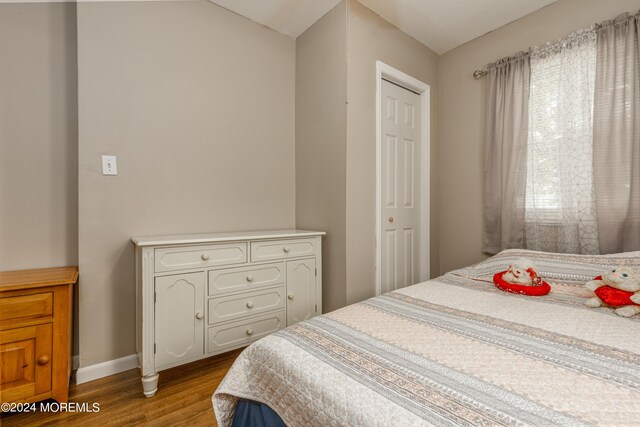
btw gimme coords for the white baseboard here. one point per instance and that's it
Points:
(104, 369)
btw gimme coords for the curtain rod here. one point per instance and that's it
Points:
(478, 74)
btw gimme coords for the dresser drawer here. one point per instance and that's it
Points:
(222, 309)
(245, 278)
(243, 332)
(182, 258)
(24, 306)
(282, 249)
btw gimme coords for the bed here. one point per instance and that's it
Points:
(452, 351)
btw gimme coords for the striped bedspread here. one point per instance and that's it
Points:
(454, 351)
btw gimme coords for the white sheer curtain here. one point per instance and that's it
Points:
(560, 210)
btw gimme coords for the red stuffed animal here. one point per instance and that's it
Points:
(521, 278)
(619, 288)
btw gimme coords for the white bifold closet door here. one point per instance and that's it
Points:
(401, 192)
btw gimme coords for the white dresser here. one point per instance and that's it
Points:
(198, 295)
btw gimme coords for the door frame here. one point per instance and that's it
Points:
(386, 72)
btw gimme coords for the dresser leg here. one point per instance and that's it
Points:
(150, 384)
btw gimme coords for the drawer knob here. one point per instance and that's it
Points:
(199, 316)
(286, 249)
(204, 257)
(290, 296)
(250, 278)
(249, 304)
(249, 331)
(43, 360)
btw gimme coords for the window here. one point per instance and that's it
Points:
(560, 203)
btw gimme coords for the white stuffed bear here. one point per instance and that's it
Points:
(521, 272)
(619, 288)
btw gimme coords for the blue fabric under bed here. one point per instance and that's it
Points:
(254, 414)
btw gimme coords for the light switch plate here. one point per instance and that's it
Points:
(109, 165)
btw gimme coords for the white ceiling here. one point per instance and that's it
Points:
(289, 17)
(439, 24)
(445, 24)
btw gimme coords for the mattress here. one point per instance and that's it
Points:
(453, 351)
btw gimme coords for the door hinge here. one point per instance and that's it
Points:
(316, 308)
(155, 297)
(154, 348)
(316, 271)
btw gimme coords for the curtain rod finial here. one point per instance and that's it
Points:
(478, 74)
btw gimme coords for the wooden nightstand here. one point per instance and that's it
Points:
(36, 309)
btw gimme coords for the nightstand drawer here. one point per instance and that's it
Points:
(25, 306)
(182, 258)
(244, 332)
(282, 249)
(245, 278)
(232, 307)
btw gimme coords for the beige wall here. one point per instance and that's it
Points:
(38, 136)
(371, 38)
(198, 105)
(321, 136)
(335, 139)
(205, 143)
(462, 115)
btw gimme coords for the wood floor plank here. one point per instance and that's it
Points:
(183, 398)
